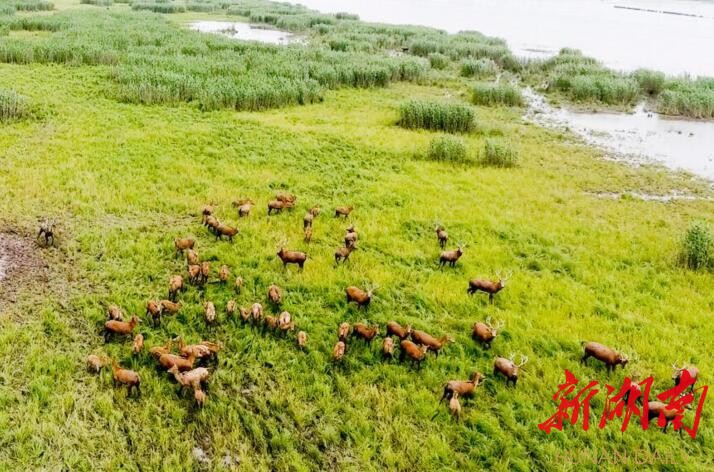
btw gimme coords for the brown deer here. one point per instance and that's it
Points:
(291, 257)
(485, 332)
(442, 235)
(360, 297)
(604, 354)
(492, 287)
(678, 371)
(508, 368)
(450, 257)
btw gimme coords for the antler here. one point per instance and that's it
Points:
(512, 356)
(500, 324)
(509, 274)
(524, 359)
(675, 368)
(488, 322)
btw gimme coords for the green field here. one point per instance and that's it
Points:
(123, 179)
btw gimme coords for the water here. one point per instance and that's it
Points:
(638, 137)
(245, 31)
(622, 38)
(617, 32)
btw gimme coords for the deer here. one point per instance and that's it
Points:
(227, 231)
(387, 347)
(464, 388)
(350, 236)
(338, 352)
(175, 286)
(343, 253)
(343, 331)
(244, 206)
(660, 411)
(301, 339)
(191, 257)
(307, 234)
(416, 354)
(206, 212)
(678, 371)
(450, 257)
(343, 211)
(485, 332)
(360, 297)
(223, 274)
(209, 312)
(604, 354)
(115, 313)
(127, 377)
(291, 257)
(256, 312)
(441, 235)
(275, 294)
(153, 308)
(124, 328)
(138, 344)
(182, 244)
(488, 286)
(95, 363)
(433, 344)
(455, 406)
(508, 368)
(365, 332)
(47, 232)
(395, 329)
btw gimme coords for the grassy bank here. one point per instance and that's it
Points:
(123, 179)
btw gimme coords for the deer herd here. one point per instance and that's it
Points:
(413, 345)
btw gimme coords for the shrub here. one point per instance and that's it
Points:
(438, 61)
(694, 102)
(34, 5)
(651, 82)
(448, 149)
(479, 68)
(346, 16)
(497, 94)
(499, 153)
(696, 246)
(450, 117)
(12, 105)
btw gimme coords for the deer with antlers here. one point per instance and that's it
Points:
(508, 368)
(361, 297)
(450, 257)
(492, 287)
(485, 332)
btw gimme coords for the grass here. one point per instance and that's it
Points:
(441, 116)
(448, 149)
(479, 68)
(697, 246)
(12, 105)
(499, 153)
(492, 94)
(123, 180)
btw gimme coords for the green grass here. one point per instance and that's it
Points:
(479, 68)
(499, 153)
(432, 115)
(492, 94)
(122, 180)
(448, 149)
(12, 105)
(697, 246)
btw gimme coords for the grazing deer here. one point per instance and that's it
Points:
(450, 257)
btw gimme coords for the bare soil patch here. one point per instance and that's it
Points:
(21, 263)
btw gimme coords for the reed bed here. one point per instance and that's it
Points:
(479, 68)
(494, 94)
(168, 65)
(448, 148)
(449, 117)
(12, 105)
(499, 153)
